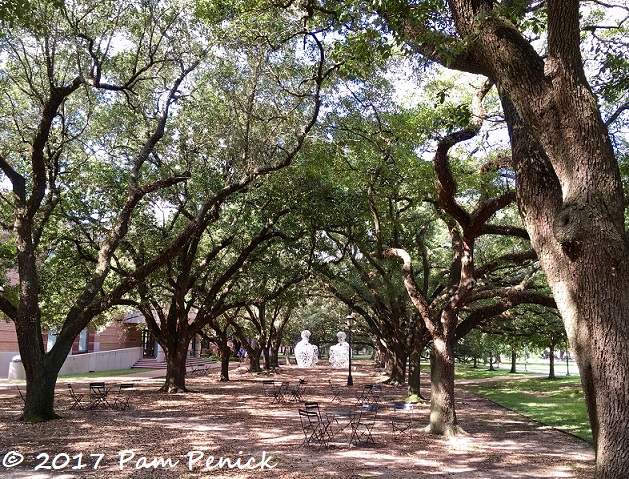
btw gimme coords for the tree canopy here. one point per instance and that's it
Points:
(228, 160)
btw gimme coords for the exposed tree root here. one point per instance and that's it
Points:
(33, 418)
(447, 431)
(173, 389)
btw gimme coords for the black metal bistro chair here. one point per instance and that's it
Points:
(77, 399)
(121, 398)
(98, 396)
(314, 428)
(362, 427)
(402, 421)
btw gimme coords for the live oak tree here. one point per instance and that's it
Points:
(347, 265)
(273, 287)
(568, 181)
(398, 216)
(277, 282)
(373, 290)
(59, 73)
(260, 330)
(471, 291)
(264, 100)
(199, 289)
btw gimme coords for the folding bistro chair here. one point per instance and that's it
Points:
(314, 406)
(121, 399)
(275, 389)
(98, 396)
(363, 426)
(77, 399)
(297, 391)
(335, 390)
(281, 390)
(362, 397)
(21, 394)
(315, 430)
(402, 422)
(370, 394)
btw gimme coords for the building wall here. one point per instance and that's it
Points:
(101, 361)
(8, 338)
(118, 335)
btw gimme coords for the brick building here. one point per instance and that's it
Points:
(118, 335)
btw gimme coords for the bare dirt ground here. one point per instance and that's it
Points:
(185, 435)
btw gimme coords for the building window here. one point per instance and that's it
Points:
(83, 341)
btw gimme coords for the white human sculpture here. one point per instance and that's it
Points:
(306, 354)
(339, 353)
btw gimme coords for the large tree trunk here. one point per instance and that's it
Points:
(41, 374)
(396, 362)
(442, 409)
(254, 360)
(582, 247)
(40, 391)
(514, 357)
(551, 361)
(414, 374)
(419, 342)
(226, 353)
(42, 369)
(176, 355)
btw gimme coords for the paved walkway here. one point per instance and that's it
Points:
(150, 375)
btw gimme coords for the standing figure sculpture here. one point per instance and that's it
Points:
(306, 354)
(339, 353)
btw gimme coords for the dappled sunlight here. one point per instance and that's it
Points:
(460, 443)
(234, 419)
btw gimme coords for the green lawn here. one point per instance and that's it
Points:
(558, 403)
(482, 372)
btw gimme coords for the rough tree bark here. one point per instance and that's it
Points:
(581, 247)
(176, 355)
(551, 361)
(514, 357)
(569, 193)
(442, 408)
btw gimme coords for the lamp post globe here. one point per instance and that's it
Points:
(350, 322)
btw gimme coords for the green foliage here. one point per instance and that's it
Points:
(20, 13)
(557, 403)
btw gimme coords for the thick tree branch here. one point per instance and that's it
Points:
(414, 291)
(564, 39)
(504, 230)
(485, 313)
(514, 258)
(17, 180)
(7, 307)
(447, 188)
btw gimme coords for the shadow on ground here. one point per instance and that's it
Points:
(185, 435)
